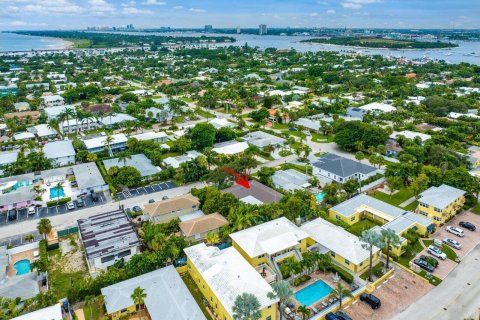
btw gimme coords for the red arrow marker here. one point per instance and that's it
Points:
(241, 179)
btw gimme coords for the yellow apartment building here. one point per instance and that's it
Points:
(222, 275)
(441, 203)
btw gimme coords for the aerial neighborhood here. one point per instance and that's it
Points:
(184, 181)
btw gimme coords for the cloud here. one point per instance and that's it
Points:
(47, 7)
(133, 10)
(197, 10)
(357, 4)
(313, 14)
(154, 3)
(178, 7)
(19, 23)
(331, 11)
(101, 7)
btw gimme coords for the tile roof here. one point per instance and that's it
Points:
(202, 224)
(167, 206)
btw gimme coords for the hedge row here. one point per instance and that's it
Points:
(347, 277)
(54, 203)
(42, 263)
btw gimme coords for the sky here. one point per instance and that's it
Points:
(79, 14)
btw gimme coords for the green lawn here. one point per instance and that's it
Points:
(280, 126)
(186, 99)
(320, 138)
(476, 209)
(302, 169)
(451, 254)
(170, 154)
(94, 312)
(431, 278)
(295, 133)
(396, 199)
(412, 206)
(405, 259)
(359, 227)
(197, 295)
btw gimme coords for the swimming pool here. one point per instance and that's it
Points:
(22, 267)
(56, 193)
(319, 196)
(312, 293)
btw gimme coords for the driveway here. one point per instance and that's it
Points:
(470, 240)
(396, 294)
(444, 266)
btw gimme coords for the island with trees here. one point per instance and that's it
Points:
(367, 42)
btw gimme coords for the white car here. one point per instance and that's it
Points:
(31, 210)
(70, 206)
(456, 231)
(452, 243)
(434, 251)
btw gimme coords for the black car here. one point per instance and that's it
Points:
(151, 201)
(94, 197)
(430, 260)
(136, 209)
(467, 225)
(371, 300)
(342, 315)
(74, 183)
(79, 202)
(12, 215)
(4, 148)
(424, 265)
(331, 316)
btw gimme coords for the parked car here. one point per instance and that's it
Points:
(434, 251)
(438, 243)
(164, 197)
(94, 197)
(467, 225)
(136, 209)
(456, 231)
(151, 201)
(430, 260)
(70, 205)
(292, 129)
(331, 316)
(452, 243)
(342, 315)
(79, 202)
(12, 215)
(4, 148)
(424, 265)
(31, 210)
(74, 183)
(371, 300)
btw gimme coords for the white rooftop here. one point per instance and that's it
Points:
(53, 112)
(269, 237)
(337, 240)
(228, 275)
(51, 313)
(376, 106)
(150, 135)
(43, 130)
(440, 197)
(410, 135)
(116, 118)
(100, 141)
(167, 295)
(58, 149)
(221, 122)
(230, 147)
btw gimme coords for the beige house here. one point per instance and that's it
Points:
(166, 210)
(197, 229)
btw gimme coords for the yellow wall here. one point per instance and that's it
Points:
(439, 218)
(117, 315)
(215, 303)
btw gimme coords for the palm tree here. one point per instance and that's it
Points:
(59, 187)
(89, 300)
(370, 239)
(124, 156)
(212, 238)
(246, 307)
(389, 237)
(339, 293)
(108, 141)
(324, 261)
(138, 296)
(44, 226)
(304, 311)
(67, 114)
(283, 292)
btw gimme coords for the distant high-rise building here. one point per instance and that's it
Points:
(238, 30)
(208, 28)
(130, 27)
(262, 29)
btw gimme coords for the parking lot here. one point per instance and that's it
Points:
(396, 294)
(146, 190)
(43, 212)
(444, 266)
(470, 240)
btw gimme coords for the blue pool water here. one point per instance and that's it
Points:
(319, 196)
(22, 267)
(312, 293)
(56, 193)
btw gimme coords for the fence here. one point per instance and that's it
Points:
(66, 232)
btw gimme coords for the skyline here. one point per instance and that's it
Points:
(74, 14)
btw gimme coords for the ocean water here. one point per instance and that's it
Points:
(19, 42)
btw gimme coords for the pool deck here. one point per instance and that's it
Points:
(14, 258)
(318, 275)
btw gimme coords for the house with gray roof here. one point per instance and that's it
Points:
(167, 296)
(89, 178)
(262, 139)
(332, 167)
(290, 180)
(60, 153)
(258, 193)
(138, 161)
(107, 238)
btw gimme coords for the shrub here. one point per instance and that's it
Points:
(346, 276)
(58, 202)
(301, 280)
(42, 263)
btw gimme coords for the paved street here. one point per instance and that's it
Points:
(68, 219)
(457, 297)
